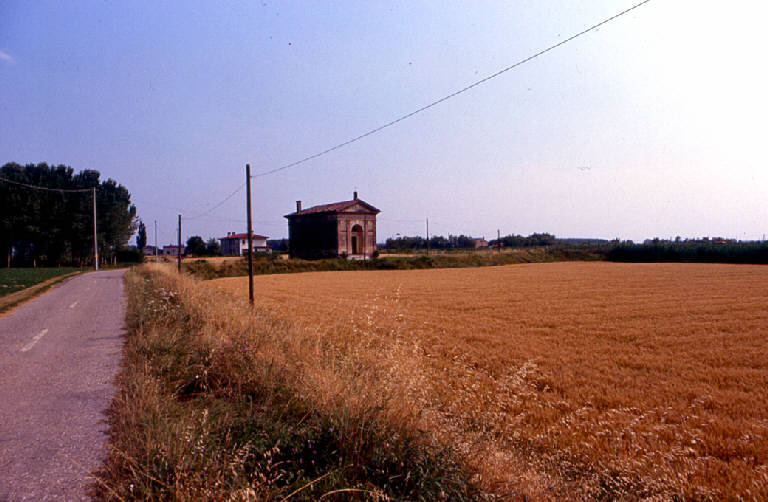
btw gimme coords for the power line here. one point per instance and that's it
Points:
(423, 108)
(454, 94)
(35, 187)
(220, 203)
(68, 190)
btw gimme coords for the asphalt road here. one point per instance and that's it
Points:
(58, 357)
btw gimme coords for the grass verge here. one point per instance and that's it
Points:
(218, 402)
(28, 289)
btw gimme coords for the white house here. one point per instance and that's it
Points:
(237, 244)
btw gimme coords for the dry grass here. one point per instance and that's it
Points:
(217, 402)
(569, 380)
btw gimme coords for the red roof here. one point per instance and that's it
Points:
(335, 207)
(243, 236)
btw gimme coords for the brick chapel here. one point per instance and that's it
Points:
(345, 228)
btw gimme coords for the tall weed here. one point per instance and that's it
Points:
(219, 402)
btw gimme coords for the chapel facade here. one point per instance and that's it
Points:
(346, 228)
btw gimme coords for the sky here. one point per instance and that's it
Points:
(652, 125)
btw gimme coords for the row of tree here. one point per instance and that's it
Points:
(198, 247)
(435, 242)
(706, 250)
(53, 227)
(466, 242)
(518, 241)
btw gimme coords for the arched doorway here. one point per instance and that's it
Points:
(356, 238)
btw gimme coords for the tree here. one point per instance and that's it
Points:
(212, 247)
(55, 227)
(195, 245)
(141, 237)
(464, 241)
(278, 244)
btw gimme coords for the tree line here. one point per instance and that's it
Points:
(715, 250)
(466, 242)
(55, 228)
(435, 242)
(518, 241)
(198, 247)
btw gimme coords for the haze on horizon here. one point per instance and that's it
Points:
(650, 126)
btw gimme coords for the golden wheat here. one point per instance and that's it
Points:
(563, 379)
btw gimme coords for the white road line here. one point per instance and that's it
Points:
(36, 339)
(73, 305)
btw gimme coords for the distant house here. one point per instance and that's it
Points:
(346, 228)
(480, 242)
(172, 250)
(149, 250)
(237, 244)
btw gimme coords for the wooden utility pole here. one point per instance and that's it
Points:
(250, 232)
(178, 261)
(427, 235)
(95, 238)
(498, 239)
(155, 241)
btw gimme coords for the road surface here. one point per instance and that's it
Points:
(59, 355)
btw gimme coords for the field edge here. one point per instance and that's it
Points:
(205, 410)
(10, 302)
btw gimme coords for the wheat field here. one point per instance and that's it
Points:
(578, 380)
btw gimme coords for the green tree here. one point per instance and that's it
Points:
(141, 236)
(212, 247)
(195, 245)
(55, 227)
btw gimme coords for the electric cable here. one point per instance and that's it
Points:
(449, 96)
(35, 187)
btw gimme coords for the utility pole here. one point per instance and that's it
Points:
(250, 232)
(427, 235)
(498, 239)
(155, 241)
(178, 261)
(95, 238)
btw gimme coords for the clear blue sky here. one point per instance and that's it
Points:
(652, 125)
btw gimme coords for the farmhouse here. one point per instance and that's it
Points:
(237, 244)
(345, 228)
(480, 242)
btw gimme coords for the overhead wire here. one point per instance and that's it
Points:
(36, 187)
(452, 95)
(217, 205)
(423, 108)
